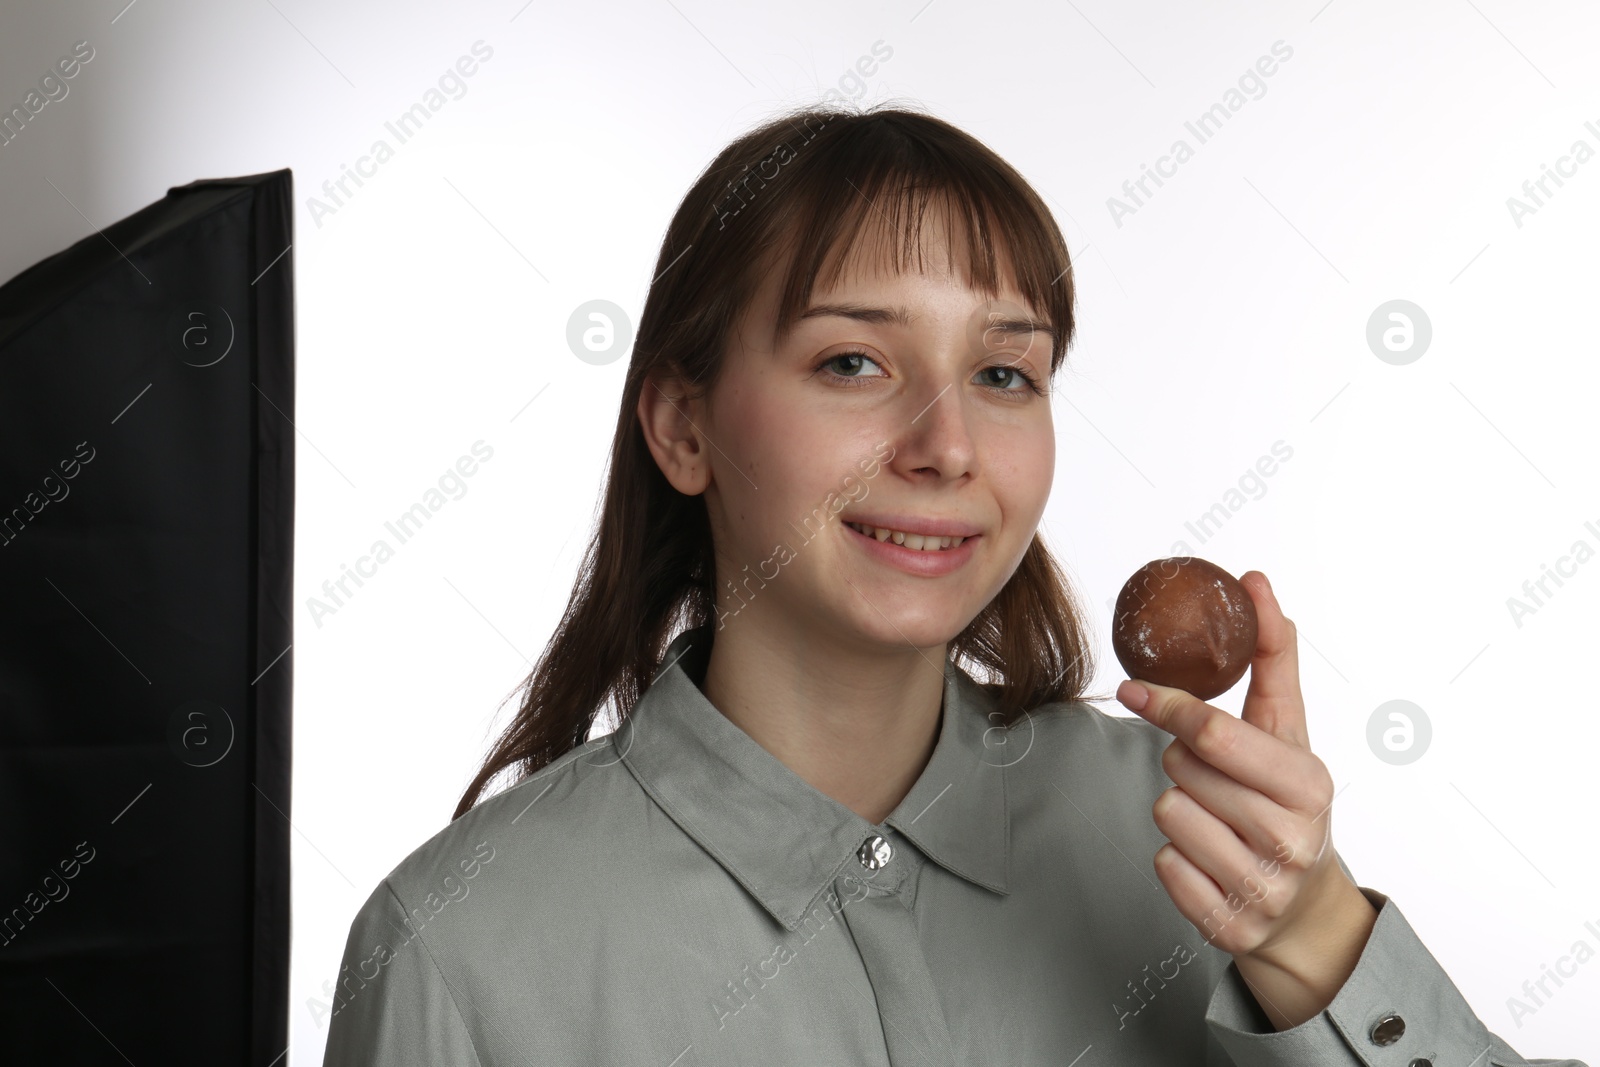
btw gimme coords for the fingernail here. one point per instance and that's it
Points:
(1133, 695)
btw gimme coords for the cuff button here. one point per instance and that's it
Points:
(1422, 1061)
(1388, 1030)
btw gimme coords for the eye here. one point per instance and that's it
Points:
(853, 360)
(1021, 381)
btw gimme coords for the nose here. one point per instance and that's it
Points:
(938, 441)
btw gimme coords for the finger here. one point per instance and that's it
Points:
(1239, 749)
(1199, 899)
(1209, 843)
(1274, 701)
(1262, 822)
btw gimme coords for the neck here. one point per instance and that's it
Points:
(855, 721)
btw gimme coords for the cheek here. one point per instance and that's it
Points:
(760, 436)
(1022, 474)
(770, 463)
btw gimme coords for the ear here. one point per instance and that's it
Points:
(669, 422)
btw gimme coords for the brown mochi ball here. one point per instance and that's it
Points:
(1185, 622)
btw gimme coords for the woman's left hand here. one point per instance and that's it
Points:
(1250, 859)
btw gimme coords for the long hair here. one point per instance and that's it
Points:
(799, 187)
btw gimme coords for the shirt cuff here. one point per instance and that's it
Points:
(1398, 1008)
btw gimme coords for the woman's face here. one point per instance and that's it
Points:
(892, 403)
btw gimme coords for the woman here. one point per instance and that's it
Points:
(815, 838)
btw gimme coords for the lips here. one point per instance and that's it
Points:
(902, 522)
(923, 555)
(915, 541)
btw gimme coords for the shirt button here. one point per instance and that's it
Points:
(874, 853)
(1387, 1030)
(1421, 1061)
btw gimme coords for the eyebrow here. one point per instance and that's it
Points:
(901, 316)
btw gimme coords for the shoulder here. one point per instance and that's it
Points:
(537, 822)
(470, 901)
(1074, 741)
(1071, 729)
(1080, 787)
(1084, 721)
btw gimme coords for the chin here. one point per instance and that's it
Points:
(899, 629)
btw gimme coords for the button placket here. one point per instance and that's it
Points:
(878, 915)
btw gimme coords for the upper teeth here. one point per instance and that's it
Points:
(921, 542)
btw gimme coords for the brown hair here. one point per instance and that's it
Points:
(801, 185)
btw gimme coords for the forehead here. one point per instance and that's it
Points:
(933, 242)
(875, 262)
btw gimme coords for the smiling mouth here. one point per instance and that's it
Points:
(917, 542)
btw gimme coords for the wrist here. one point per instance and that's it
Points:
(1296, 974)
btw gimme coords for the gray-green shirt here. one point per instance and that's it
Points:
(672, 895)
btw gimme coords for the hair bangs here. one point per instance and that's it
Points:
(875, 202)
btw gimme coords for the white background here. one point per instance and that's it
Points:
(1228, 312)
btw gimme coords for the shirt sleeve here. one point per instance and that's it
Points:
(1398, 1008)
(393, 1005)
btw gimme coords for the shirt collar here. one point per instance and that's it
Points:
(776, 834)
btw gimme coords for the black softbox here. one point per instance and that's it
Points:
(146, 537)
